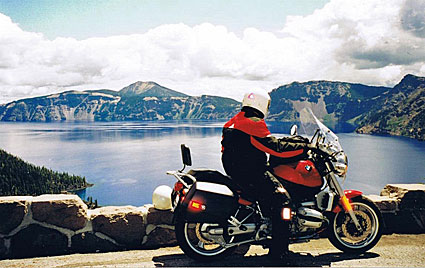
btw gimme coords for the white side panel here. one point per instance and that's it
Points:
(214, 188)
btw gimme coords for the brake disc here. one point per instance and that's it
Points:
(350, 230)
(205, 237)
(201, 237)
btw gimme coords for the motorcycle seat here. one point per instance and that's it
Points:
(212, 175)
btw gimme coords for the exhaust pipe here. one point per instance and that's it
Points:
(232, 230)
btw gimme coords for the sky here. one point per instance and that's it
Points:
(215, 47)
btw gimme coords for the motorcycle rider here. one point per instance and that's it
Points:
(245, 143)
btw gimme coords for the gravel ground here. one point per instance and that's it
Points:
(392, 251)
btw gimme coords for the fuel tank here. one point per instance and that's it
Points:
(302, 173)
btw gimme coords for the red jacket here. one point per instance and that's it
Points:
(246, 140)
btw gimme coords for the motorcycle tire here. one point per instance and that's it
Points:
(344, 235)
(197, 247)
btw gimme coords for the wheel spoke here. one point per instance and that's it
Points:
(349, 235)
(200, 243)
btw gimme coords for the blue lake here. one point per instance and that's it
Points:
(127, 160)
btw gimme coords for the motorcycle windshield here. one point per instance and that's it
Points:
(310, 125)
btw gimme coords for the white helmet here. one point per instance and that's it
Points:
(257, 99)
(161, 197)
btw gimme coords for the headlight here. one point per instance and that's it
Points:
(341, 164)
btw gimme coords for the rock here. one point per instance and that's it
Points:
(157, 217)
(36, 240)
(3, 248)
(67, 211)
(399, 190)
(409, 214)
(12, 212)
(123, 224)
(411, 196)
(384, 203)
(160, 237)
(88, 242)
(404, 222)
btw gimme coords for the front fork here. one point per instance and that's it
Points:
(344, 200)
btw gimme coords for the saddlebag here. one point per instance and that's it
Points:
(209, 202)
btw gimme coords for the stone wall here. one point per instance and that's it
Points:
(403, 207)
(61, 224)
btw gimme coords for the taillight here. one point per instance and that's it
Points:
(195, 205)
(178, 186)
(182, 195)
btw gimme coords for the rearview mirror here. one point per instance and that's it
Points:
(294, 131)
(187, 159)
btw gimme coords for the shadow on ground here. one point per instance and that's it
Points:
(303, 259)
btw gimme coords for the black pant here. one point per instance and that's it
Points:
(265, 188)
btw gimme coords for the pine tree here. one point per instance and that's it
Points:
(21, 178)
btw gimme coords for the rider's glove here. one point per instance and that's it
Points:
(311, 146)
(316, 149)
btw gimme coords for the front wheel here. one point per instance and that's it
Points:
(344, 235)
(196, 242)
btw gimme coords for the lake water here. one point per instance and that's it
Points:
(127, 160)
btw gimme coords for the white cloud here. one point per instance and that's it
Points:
(364, 41)
(413, 17)
(367, 41)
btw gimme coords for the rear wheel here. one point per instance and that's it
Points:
(196, 242)
(344, 234)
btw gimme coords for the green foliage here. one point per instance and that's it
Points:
(401, 111)
(90, 203)
(18, 177)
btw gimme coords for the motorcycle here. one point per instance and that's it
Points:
(213, 217)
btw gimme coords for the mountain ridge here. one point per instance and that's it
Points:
(337, 103)
(353, 106)
(138, 101)
(401, 113)
(150, 89)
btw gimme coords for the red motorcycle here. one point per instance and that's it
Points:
(213, 217)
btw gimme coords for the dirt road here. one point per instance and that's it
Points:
(392, 251)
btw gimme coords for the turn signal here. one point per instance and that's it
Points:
(286, 214)
(346, 203)
(178, 186)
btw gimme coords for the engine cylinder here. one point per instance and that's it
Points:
(308, 217)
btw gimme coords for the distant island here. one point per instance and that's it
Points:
(367, 109)
(18, 177)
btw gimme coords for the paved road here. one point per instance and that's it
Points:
(392, 251)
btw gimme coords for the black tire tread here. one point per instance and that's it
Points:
(335, 242)
(179, 229)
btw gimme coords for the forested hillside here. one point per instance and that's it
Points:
(401, 112)
(18, 177)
